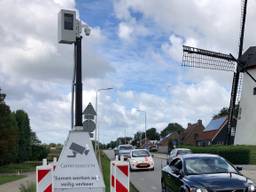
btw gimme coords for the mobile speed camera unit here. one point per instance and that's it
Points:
(69, 27)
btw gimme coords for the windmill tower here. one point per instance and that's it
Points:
(246, 121)
(244, 65)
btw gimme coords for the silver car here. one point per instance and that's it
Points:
(176, 152)
(124, 150)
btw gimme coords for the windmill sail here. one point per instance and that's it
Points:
(239, 88)
(205, 59)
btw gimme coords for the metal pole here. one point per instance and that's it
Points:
(125, 135)
(96, 123)
(98, 136)
(78, 82)
(145, 126)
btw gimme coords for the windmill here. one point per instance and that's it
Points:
(240, 66)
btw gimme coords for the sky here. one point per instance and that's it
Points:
(135, 47)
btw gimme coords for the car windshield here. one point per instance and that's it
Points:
(183, 152)
(207, 165)
(140, 153)
(125, 147)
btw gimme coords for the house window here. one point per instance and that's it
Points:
(254, 91)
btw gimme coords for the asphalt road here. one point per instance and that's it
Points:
(145, 181)
(149, 181)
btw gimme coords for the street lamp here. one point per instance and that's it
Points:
(97, 135)
(145, 118)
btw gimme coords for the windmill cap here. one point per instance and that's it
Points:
(248, 59)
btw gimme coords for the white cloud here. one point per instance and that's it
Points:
(213, 24)
(174, 47)
(125, 31)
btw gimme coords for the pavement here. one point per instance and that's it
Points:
(146, 181)
(15, 185)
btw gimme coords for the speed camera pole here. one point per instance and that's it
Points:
(78, 148)
(78, 82)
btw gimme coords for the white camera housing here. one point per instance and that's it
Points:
(87, 30)
(67, 26)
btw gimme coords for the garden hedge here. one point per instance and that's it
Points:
(234, 154)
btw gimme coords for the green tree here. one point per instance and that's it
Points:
(171, 128)
(8, 134)
(34, 139)
(137, 137)
(225, 111)
(152, 134)
(39, 152)
(24, 147)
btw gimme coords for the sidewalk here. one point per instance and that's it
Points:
(15, 185)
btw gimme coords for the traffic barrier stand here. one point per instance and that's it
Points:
(44, 177)
(120, 176)
(53, 163)
(113, 176)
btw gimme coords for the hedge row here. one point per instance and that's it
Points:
(234, 154)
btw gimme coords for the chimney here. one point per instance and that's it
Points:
(189, 125)
(200, 122)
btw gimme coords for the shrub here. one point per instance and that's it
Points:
(234, 154)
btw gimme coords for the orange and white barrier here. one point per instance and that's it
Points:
(44, 178)
(120, 176)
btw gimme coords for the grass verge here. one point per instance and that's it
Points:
(8, 178)
(14, 168)
(105, 162)
(29, 187)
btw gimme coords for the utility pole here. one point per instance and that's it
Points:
(145, 124)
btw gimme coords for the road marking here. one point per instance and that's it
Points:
(154, 188)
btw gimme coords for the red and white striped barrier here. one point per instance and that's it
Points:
(120, 176)
(112, 176)
(44, 178)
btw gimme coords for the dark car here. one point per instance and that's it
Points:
(203, 173)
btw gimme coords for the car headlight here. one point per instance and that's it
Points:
(133, 161)
(251, 188)
(196, 189)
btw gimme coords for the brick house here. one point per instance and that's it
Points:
(191, 133)
(215, 132)
(167, 143)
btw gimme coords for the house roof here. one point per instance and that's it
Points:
(249, 58)
(215, 124)
(167, 137)
(207, 135)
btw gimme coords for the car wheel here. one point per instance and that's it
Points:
(153, 169)
(163, 187)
